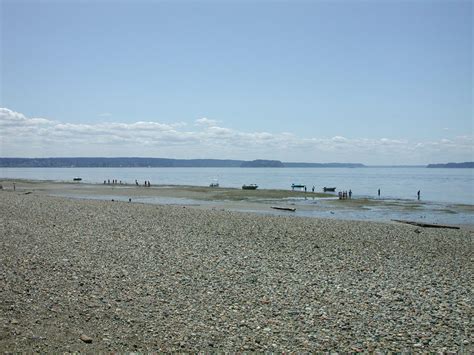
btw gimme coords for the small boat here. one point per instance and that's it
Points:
(291, 209)
(297, 186)
(77, 179)
(331, 189)
(250, 187)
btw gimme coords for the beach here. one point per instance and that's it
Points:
(305, 204)
(101, 275)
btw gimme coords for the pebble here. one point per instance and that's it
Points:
(147, 278)
(86, 339)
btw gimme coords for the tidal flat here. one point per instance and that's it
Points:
(306, 204)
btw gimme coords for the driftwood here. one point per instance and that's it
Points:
(284, 208)
(425, 225)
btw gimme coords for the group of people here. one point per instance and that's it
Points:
(344, 195)
(114, 182)
(119, 182)
(146, 183)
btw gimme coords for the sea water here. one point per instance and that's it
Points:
(436, 185)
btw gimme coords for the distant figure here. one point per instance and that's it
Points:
(129, 200)
(108, 181)
(136, 182)
(14, 186)
(340, 195)
(313, 188)
(418, 194)
(149, 185)
(378, 192)
(305, 188)
(350, 194)
(105, 182)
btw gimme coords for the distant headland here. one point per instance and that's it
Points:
(135, 162)
(467, 164)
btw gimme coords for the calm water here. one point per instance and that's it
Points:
(436, 185)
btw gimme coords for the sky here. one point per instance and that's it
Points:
(374, 82)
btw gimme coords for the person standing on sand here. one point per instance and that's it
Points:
(350, 194)
(14, 187)
(418, 194)
(313, 188)
(378, 192)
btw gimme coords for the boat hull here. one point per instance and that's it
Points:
(249, 187)
(297, 186)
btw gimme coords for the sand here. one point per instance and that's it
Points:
(90, 275)
(322, 205)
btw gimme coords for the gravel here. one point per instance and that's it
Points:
(88, 276)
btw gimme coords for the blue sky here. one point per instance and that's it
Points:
(377, 82)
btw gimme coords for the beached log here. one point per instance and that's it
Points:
(425, 225)
(292, 209)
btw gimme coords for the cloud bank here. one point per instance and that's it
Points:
(22, 136)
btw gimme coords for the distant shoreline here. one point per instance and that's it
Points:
(465, 165)
(138, 162)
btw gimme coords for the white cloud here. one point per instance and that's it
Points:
(339, 139)
(35, 137)
(9, 118)
(206, 122)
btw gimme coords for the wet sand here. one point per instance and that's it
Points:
(320, 205)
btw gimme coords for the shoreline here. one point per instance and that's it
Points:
(306, 204)
(143, 278)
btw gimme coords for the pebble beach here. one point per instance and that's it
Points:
(90, 275)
